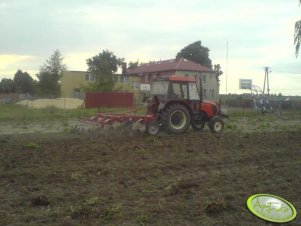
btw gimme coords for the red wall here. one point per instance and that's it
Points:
(95, 100)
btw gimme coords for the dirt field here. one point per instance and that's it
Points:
(197, 178)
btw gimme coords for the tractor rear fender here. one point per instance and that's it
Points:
(163, 106)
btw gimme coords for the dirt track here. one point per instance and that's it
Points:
(190, 179)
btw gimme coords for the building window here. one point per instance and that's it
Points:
(204, 93)
(153, 77)
(212, 93)
(136, 85)
(124, 79)
(204, 78)
(76, 93)
(146, 78)
(89, 77)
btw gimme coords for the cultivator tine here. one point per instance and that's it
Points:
(125, 125)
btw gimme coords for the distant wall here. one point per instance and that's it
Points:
(7, 98)
(97, 99)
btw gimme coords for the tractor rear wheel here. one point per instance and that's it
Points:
(177, 118)
(216, 124)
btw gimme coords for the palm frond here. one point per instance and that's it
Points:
(297, 36)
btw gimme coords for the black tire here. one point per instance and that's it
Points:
(176, 118)
(216, 124)
(198, 125)
(152, 128)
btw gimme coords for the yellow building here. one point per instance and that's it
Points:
(74, 83)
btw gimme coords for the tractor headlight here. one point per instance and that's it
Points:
(224, 112)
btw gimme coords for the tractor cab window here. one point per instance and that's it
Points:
(159, 87)
(193, 92)
(178, 90)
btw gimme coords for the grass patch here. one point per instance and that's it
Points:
(237, 113)
(215, 207)
(32, 145)
(231, 126)
(13, 112)
(263, 125)
(144, 219)
(94, 207)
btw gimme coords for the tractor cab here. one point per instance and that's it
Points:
(183, 88)
(176, 89)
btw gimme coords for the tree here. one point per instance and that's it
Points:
(50, 74)
(297, 39)
(23, 82)
(196, 53)
(103, 66)
(133, 65)
(7, 85)
(218, 71)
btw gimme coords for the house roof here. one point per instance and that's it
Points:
(169, 65)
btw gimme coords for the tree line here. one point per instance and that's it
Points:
(102, 66)
(47, 83)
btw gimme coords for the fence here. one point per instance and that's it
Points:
(276, 104)
(96, 99)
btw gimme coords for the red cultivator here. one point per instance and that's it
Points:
(175, 105)
(119, 122)
(103, 119)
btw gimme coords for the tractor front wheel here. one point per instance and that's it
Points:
(216, 124)
(177, 118)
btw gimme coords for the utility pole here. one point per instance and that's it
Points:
(266, 79)
(227, 58)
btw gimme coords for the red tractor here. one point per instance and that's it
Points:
(177, 104)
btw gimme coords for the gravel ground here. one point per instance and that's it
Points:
(62, 103)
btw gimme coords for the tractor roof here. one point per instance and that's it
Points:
(172, 65)
(176, 78)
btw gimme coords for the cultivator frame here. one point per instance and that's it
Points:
(102, 119)
(118, 122)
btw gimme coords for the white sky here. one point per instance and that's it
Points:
(259, 33)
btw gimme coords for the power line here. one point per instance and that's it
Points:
(289, 72)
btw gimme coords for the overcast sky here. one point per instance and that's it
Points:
(259, 33)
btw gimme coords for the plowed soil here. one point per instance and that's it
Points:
(197, 178)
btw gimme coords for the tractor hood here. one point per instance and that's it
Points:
(210, 102)
(222, 112)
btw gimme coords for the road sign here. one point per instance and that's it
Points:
(245, 83)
